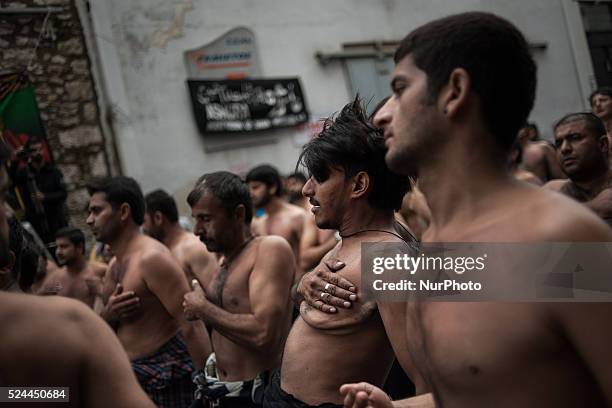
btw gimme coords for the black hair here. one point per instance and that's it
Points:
(119, 190)
(349, 142)
(604, 90)
(73, 234)
(495, 55)
(16, 244)
(594, 125)
(159, 200)
(268, 175)
(228, 188)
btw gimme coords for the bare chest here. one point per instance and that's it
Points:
(476, 344)
(229, 288)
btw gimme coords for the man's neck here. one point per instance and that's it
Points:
(595, 185)
(121, 244)
(240, 240)
(459, 189)
(273, 205)
(363, 217)
(77, 266)
(172, 235)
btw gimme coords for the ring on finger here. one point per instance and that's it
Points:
(322, 295)
(327, 285)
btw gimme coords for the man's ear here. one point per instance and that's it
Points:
(124, 212)
(604, 144)
(360, 184)
(454, 94)
(240, 213)
(158, 218)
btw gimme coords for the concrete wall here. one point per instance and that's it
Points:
(158, 140)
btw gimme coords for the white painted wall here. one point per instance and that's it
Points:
(158, 140)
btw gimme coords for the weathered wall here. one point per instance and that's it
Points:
(61, 77)
(159, 143)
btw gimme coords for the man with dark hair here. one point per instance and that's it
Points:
(293, 185)
(601, 103)
(161, 221)
(537, 157)
(280, 218)
(453, 123)
(147, 317)
(77, 278)
(61, 343)
(246, 302)
(41, 188)
(582, 149)
(351, 190)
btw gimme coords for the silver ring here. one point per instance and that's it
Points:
(321, 295)
(327, 285)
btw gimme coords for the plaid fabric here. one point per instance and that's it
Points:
(166, 374)
(215, 392)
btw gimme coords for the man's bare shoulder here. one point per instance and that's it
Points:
(556, 185)
(24, 317)
(555, 217)
(98, 269)
(273, 245)
(294, 211)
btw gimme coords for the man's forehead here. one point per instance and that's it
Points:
(98, 198)
(578, 126)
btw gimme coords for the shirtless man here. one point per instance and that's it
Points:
(280, 218)
(352, 191)
(293, 185)
(445, 104)
(82, 353)
(143, 291)
(77, 278)
(515, 159)
(582, 148)
(601, 103)
(538, 157)
(161, 223)
(247, 301)
(314, 244)
(415, 212)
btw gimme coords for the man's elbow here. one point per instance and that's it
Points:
(265, 339)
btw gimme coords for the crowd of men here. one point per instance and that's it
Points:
(263, 303)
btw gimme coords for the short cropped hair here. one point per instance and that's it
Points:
(72, 234)
(604, 90)
(119, 190)
(228, 188)
(268, 175)
(349, 142)
(495, 55)
(594, 125)
(159, 200)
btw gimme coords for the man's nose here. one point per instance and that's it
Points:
(307, 190)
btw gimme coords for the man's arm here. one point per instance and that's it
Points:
(602, 204)
(201, 263)
(554, 185)
(269, 286)
(311, 250)
(166, 280)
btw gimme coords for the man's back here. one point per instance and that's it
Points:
(539, 158)
(56, 342)
(193, 257)
(286, 222)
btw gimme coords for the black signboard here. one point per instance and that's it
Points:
(244, 105)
